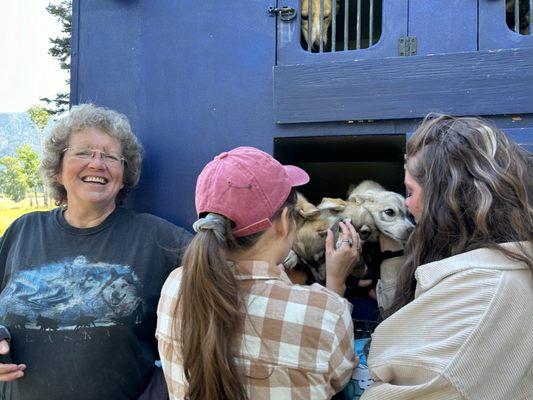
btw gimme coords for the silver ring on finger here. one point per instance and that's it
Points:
(349, 241)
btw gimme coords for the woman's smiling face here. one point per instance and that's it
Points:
(92, 183)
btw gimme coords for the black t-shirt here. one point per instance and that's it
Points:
(81, 303)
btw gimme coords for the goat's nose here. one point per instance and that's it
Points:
(364, 233)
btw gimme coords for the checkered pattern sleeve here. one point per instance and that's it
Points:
(167, 344)
(343, 358)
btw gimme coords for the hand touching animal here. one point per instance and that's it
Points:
(339, 261)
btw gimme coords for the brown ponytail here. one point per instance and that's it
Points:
(210, 313)
(210, 304)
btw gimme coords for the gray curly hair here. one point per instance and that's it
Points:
(85, 116)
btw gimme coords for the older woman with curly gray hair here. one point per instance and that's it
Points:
(81, 119)
(80, 283)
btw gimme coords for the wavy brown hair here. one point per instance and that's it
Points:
(478, 191)
(210, 311)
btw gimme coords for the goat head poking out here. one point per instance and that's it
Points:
(313, 16)
(387, 208)
(360, 217)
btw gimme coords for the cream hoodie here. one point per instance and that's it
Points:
(468, 334)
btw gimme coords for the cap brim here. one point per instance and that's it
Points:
(297, 176)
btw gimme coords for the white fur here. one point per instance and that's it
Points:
(387, 208)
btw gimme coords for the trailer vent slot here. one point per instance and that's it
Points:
(340, 25)
(518, 16)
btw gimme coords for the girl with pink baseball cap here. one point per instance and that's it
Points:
(231, 325)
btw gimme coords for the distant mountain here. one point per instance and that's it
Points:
(17, 129)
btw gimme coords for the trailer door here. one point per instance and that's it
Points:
(505, 24)
(363, 29)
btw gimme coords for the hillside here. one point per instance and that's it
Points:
(17, 129)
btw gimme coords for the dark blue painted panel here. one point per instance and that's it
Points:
(522, 123)
(522, 136)
(195, 81)
(394, 27)
(493, 30)
(443, 26)
(406, 87)
(208, 89)
(109, 54)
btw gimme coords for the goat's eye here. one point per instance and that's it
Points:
(390, 212)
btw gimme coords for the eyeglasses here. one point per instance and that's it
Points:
(86, 154)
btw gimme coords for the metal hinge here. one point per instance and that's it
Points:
(285, 13)
(407, 46)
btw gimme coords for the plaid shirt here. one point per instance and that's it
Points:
(297, 341)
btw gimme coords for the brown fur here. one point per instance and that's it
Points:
(359, 216)
(310, 239)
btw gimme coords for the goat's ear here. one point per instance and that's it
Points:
(334, 205)
(304, 208)
(351, 188)
(310, 213)
(360, 199)
(356, 198)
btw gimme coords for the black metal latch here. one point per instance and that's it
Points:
(285, 13)
(407, 46)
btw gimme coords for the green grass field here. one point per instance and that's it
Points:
(10, 211)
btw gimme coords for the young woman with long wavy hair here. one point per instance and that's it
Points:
(463, 327)
(231, 325)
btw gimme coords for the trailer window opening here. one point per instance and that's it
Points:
(518, 16)
(337, 162)
(340, 25)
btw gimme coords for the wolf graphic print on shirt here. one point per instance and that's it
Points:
(72, 294)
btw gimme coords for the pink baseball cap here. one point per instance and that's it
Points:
(247, 186)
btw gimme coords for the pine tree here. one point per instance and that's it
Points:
(60, 50)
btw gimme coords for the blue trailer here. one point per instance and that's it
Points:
(199, 78)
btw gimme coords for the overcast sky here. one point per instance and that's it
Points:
(27, 71)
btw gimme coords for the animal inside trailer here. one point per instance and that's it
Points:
(199, 79)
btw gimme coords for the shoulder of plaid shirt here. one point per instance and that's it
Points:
(297, 341)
